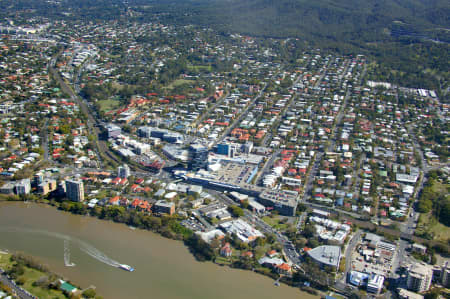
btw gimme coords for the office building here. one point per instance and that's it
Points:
(223, 149)
(123, 171)
(198, 156)
(284, 201)
(113, 130)
(75, 190)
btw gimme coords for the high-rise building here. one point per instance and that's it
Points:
(123, 171)
(445, 275)
(419, 277)
(47, 186)
(75, 190)
(199, 156)
(38, 179)
(23, 187)
(247, 147)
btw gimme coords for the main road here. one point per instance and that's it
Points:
(18, 291)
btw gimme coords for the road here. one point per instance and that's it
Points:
(312, 173)
(266, 166)
(101, 148)
(348, 252)
(23, 294)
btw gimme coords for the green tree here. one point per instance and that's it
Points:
(89, 293)
(236, 211)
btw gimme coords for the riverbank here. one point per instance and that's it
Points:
(23, 272)
(150, 255)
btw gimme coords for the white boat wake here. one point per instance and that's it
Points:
(67, 262)
(84, 246)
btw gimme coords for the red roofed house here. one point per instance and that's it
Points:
(114, 201)
(283, 268)
(226, 250)
(135, 203)
(272, 253)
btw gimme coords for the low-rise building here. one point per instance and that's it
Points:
(419, 248)
(375, 283)
(244, 231)
(7, 188)
(405, 294)
(164, 207)
(226, 250)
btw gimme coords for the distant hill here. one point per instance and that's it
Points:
(328, 19)
(409, 37)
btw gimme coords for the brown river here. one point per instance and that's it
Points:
(164, 268)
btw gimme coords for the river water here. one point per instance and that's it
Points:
(164, 268)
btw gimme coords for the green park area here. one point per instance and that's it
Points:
(33, 276)
(429, 226)
(276, 222)
(34, 281)
(179, 82)
(109, 104)
(434, 206)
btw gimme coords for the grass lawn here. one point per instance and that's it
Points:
(179, 82)
(275, 223)
(107, 105)
(30, 276)
(428, 223)
(197, 68)
(222, 260)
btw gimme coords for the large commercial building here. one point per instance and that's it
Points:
(284, 201)
(419, 277)
(326, 255)
(162, 134)
(75, 190)
(242, 230)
